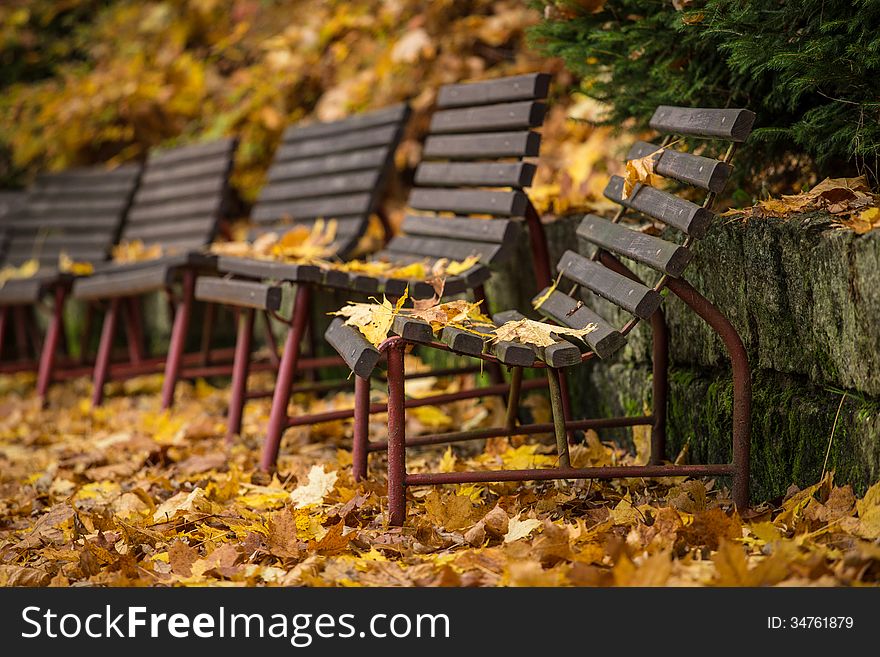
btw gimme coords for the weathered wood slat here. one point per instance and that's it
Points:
(89, 175)
(183, 244)
(673, 211)
(462, 342)
(733, 124)
(153, 193)
(37, 208)
(520, 87)
(185, 171)
(387, 115)
(351, 141)
(21, 291)
(175, 209)
(481, 146)
(315, 167)
(663, 256)
(630, 295)
(442, 248)
(498, 231)
(348, 204)
(328, 185)
(506, 203)
(232, 292)
(269, 270)
(31, 224)
(475, 174)
(604, 341)
(489, 118)
(221, 148)
(412, 329)
(123, 283)
(198, 227)
(360, 356)
(703, 172)
(48, 187)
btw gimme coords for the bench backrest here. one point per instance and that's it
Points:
(600, 274)
(12, 204)
(182, 197)
(473, 167)
(78, 212)
(335, 170)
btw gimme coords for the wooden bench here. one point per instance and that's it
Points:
(332, 171)
(468, 200)
(598, 271)
(77, 212)
(180, 201)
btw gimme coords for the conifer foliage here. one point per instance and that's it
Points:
(810, 69)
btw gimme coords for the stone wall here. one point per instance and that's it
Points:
(806, 301)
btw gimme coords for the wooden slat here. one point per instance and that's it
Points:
(436, 247)
(55, 222)
(630, 295)
(47, 187)
(703, 172)
(221, 148)
(733, 124)
(469, 147)
(412, 329)
(328, 185)
(477, 201)
(247, 294)
(315, 167)
(97, 174)
(211, 186)
(202, 227)
(123, 283)
(186, 171)
(462, 342)
(269, 270)
(348, 204)
(604, 341)
(345, 142)
(475, 174)
(562, 353)
(21, 291)
(51, 207)
(489, 118)
(498, 231)
(677, 212)
(663, 256)
(520, 87)
(392, 114)
(360, 356)
(175, 209)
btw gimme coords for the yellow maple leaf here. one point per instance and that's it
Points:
(517, 529)
(68, 265)
(641, 170)
(27, 269)
(320, 484)
(539, 334)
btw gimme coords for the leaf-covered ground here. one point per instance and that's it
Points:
(128, 495)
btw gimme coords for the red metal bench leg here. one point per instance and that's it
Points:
(240, 367)
(284, 380)
(271, 342)
(556, 405)
(359, 454)
(742, 383)
(396, 436)
(133, 333)
(50, 344)
(105, 346)
(178, 338)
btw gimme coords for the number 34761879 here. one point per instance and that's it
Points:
(810, 623)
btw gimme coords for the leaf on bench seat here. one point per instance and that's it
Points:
(539, 334)
(374, 320)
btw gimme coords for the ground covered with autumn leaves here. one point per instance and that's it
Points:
(127, 495)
